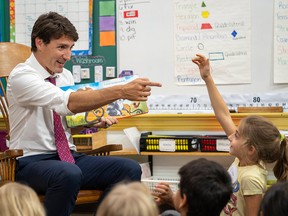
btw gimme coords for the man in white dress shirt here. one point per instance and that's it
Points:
(32, 100)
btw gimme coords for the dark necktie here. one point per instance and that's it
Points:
(60, 137)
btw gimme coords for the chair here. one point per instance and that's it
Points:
(10, 55)
(7, 165)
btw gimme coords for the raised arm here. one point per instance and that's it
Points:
(219, 106)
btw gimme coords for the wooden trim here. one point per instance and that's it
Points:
(186, 122)
(190, 122)
(201, 154)
(124, 152)
(260, 109)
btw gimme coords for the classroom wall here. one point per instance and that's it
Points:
(103, 55)
(151, 53)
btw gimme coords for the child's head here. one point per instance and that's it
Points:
(205, 188)
(131, 199)
(269, 144)
(19, 200)
(275, 200)
(260, 133)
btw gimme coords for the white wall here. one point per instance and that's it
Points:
(151, 53)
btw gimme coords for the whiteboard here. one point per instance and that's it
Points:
(151, 52)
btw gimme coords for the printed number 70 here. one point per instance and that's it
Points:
(193, 100)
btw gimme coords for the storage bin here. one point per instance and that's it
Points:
(151, 182)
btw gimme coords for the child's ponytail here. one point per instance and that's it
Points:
(281, 167)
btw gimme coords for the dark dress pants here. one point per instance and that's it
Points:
(60, 181)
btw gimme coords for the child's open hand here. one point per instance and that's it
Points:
(203, 64)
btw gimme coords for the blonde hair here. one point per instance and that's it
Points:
(132, 199)
(19, 200)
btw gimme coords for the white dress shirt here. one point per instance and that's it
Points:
(32, 100)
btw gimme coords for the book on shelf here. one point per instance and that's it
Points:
(119, 109)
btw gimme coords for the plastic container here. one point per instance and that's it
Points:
(151, 182)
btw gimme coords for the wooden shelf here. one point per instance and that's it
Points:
(125, 152)
(204, 154)
(201, 154)
(190, 122)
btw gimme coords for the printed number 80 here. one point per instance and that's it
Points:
(256, 99)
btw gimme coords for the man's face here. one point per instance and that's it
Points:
(54, 55)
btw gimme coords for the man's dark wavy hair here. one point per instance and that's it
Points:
(51, 26)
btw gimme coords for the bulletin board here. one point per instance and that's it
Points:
(103, 61)
(4, 20)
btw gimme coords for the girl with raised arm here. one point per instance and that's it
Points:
(255, 142)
